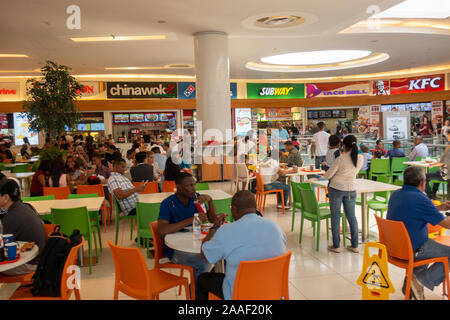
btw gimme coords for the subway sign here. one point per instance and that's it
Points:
(275, 91)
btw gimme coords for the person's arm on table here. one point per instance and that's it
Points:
(213, 217)
(121, 194)
(165, 227)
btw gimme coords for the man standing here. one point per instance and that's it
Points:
(250, 237)
(420, 149)
(122, 188)
(283, 136)
(177, 212)
(319, 146)
(411, 206)
(159, 158)
(143, 171)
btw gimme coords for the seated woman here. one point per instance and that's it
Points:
(75, 176)
(58, 177)
(40, 178)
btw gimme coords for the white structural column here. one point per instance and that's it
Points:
(212, 68)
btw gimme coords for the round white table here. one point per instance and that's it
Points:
(185, 242)
(25, 257)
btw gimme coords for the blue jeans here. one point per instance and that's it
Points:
(193, 260)
(319, 160)
(337, 198)
(279, 185)
(434, 275)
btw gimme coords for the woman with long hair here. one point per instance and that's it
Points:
(342, 190)
(58, 177)
(40, 178)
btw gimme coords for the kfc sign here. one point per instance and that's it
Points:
(409, 85)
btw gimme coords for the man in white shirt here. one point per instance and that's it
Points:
(420, 150)
(319, 146)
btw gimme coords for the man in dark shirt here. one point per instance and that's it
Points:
(22, 221)
(396, 152)
(100, 169)
(143, 171)
(411, 206)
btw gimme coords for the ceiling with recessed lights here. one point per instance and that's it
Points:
(163, 32)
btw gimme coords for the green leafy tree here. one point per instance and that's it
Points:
(51, 100)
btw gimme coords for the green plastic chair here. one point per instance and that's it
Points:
(312, 212)
(120, 218)
(146, 213)
(398, 183)
(202, 186)
(94, 215)
(444, 185)
(75, 218)
(379, 206)
(47, 217)
(223, 206)
(379, 167)
(397, 166)
(297, 198)
(363, 173)
(20, 168)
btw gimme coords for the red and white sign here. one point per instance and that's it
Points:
(89, 89)
(9, 91)
(426, 83)
(437, 112)
(375, 118)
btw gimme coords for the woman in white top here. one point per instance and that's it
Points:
(342, 190)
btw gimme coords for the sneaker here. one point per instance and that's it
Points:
(411, 292)
(333, 249)
(279, 206)
(417, 288)
(354, 250)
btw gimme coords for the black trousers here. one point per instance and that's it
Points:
(209, 282)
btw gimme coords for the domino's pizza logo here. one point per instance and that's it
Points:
(189, 91)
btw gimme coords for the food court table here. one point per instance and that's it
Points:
(159, 197)
(25, 257)
(185, 242)
(45, 206)
(424, 164)
(302, 173)
(363, 187)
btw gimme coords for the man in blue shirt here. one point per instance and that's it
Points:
(177, 212)
(396, 152)
(411, 206)
(283, 136)
(250, 237)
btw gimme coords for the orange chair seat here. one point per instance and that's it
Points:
(23, 278)
(404, 263)
(24, 293)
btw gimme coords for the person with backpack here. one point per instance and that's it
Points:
(22, 221)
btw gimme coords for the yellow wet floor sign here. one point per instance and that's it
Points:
(374, 278)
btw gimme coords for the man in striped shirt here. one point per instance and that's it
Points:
(420, 149)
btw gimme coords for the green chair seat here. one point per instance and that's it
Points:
(121, 218)
(145, 214)
(378, 206)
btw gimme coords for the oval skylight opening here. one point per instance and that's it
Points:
(316, 57)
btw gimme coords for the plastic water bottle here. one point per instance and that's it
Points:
(196, 226)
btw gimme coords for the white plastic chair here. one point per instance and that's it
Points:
(242, 175)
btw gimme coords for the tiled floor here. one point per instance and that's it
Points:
(320, 275)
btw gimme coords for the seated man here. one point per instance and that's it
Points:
(294, 158)
(379, 147)
(122, 188)
(22, 221)
(250, 237)
(177, 211)
(441, 175)
(396, 152)
(270, 173)
(420, 149)
(416, 211)
(100, 169)
(143, 171)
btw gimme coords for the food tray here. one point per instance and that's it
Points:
(11, 261)
(315, 170)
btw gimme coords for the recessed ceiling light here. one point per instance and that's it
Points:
(17, 71)
(12, 55)
(315, 57)
(429, 9)
(169, 66)
(119, 38)
(280, 21)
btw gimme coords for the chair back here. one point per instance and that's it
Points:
(263, 279)
(202, 186)
(71, 219)
(40, 198)
(223, 206)
(380, 166)
(118, 209)
(151, 187)
(395, 237)
(309, 202)
(89, 189)
(21, 168)
(296, 190)
(60, 193)
(66, 290)
(81, 196)
(131, 270)
(169, 186)
(49, 228)
(259, 183)
(397, 165)
(242, 170)
(157, 243)
(399, 182)
(146, 213)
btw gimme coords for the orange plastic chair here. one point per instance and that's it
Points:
(24, 293)
(60, 193)
(261, 194)
(158, 246)
(262, 279)
(97, 188)
(151, 187)
(134, 279)
(395, 237)
(49, 228)
(169, 186)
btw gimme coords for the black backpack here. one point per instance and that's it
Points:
(47, 278)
